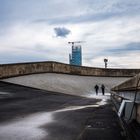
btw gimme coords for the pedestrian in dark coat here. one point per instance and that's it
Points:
(103, 89)
(96, 89)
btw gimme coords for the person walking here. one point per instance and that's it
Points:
(96, 89)
(103, 89)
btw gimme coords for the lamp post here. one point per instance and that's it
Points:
(105, 61)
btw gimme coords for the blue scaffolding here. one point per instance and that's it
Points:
(76, 57)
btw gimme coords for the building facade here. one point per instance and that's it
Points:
(76, 57)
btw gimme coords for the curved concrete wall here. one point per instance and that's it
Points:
(129, 85)
(128, 90)
(11, 70)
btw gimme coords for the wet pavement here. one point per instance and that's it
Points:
(31, 114)
(103, 125)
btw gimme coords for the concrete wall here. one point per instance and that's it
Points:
(11, 70)
(129, 85)
(129, 90)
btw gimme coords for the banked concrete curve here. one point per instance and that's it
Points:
(19, 69)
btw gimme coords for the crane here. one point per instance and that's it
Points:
(73, 42)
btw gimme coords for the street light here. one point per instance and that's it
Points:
(105, 61)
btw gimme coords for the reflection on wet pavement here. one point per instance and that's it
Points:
(28, 128)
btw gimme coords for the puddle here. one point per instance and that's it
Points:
(28, 128)
(99, 96)
(71, 108)
(4, 93)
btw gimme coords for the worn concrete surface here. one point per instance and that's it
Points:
(69, 84)
(31, 114)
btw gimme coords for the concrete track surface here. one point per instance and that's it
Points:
(68, 84)
(35, 114)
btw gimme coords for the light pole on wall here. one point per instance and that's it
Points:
(105, 61)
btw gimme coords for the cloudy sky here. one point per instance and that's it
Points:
(39, 30)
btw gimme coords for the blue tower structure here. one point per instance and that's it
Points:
(76, 57)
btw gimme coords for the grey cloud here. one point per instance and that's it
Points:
(87, 10)
(88, 17)
(119, 51)
(133, 46)
(78, 19)
(61, 31)
(6, 58)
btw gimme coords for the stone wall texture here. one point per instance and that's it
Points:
(19, 69)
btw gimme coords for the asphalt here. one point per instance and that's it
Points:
(32, 114)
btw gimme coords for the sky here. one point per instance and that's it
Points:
(39, 30)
